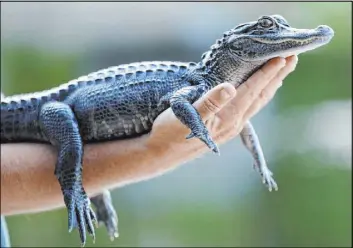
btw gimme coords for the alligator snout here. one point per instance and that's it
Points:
(326, 30)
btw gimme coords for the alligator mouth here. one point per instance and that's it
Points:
(296, 41)
(300, 37)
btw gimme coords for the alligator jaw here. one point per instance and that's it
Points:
(296, 41)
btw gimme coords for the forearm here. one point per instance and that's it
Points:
(28, 183)
(27, 170)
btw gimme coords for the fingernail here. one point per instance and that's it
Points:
(224, 95)
(283, 62)
(292, 59)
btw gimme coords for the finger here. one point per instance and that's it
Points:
(292, 62)
(214, 100)
(250, 90)
(268, 92)
(264, 97)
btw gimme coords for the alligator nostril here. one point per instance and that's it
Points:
(325, 29)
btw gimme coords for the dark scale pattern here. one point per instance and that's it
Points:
(19, 121)
(123, 101)
(118, 102)
(128, 106)
(61, 128)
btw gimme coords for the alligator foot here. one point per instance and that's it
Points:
(106, 213)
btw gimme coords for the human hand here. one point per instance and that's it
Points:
(224, 109)
(28, 183)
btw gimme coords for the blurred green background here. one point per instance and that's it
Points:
(212, 201)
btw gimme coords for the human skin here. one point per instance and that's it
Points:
(28, 183)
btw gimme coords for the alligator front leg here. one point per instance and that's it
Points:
(181, 104)
(106, 213)
(60, 126)
(252, 143)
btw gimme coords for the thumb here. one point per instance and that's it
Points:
(213, 101)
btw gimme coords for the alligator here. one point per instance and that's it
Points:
(123, 101)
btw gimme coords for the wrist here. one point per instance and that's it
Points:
(174, 149)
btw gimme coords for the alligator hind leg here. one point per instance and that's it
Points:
(60, 126)
(106, 213)
(251, 142)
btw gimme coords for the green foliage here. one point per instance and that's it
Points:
(31, 69)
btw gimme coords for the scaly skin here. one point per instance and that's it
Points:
(106, 213)
(123, 102)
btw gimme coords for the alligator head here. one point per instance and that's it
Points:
(248, 46)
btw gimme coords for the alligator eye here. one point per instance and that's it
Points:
(265, 23)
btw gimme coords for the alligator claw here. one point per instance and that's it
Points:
(110, 220)
(205, 138)
(190, 136)
(106, 213)
(267, 179)
(80, 213)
